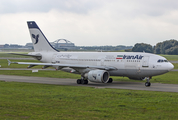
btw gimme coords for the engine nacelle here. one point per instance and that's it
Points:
(101, 76)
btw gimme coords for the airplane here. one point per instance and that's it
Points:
(95, 66)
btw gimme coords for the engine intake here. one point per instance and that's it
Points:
(101, 76)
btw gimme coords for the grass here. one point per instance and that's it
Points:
(169, 78)
(171, 57)
(52, 74)
(175, 65)
(40, 101)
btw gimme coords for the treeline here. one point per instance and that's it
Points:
(166, 47)
(104, 48)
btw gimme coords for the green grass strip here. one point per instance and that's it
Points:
(40, 101)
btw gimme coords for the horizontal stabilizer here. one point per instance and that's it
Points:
(25, 55)
(38, 56)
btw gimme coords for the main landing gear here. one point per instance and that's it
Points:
(110, 80)
(148, 84)
(85, 81)
(82, 81)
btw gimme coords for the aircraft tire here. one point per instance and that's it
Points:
(84, 81)
(79, 81)
(110, 80)
(147, 84)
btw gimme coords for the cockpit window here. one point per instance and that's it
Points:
(160, 60)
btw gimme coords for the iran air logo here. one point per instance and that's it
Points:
(36, 38)
(129, 57)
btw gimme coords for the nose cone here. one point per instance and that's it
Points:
(170, 66)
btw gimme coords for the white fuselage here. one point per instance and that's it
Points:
(130, 64)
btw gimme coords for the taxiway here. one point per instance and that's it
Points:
(72, 82)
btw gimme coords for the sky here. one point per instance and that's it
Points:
(90, 22)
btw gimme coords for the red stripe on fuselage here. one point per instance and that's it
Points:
(118, 58)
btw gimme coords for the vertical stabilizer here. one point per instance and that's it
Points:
(40, 42)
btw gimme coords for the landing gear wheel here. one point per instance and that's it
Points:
(147, 84)
(79, 81)
(84, 81)
(110, 80)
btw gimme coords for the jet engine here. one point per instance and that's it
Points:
(101, 76)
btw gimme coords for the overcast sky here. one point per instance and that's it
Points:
(90, 22)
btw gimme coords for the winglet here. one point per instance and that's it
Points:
(9, 62)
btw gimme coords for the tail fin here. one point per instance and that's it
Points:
(40, 42)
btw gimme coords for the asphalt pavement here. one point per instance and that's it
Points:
(72, 82)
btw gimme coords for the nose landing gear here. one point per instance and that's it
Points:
(148, 84)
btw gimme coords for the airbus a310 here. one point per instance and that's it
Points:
(95, 66)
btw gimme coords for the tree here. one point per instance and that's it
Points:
(167, 47)
(172, 51)
(140, 47)
(157, 48)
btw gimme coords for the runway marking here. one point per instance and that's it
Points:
(72, 82)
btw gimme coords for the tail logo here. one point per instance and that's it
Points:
(36, 38)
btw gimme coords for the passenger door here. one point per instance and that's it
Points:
(145, 62)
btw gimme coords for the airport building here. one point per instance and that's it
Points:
(63, 44)
(58, 44)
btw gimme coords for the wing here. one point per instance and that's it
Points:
(74, 66)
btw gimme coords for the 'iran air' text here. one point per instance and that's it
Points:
(132, 57)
